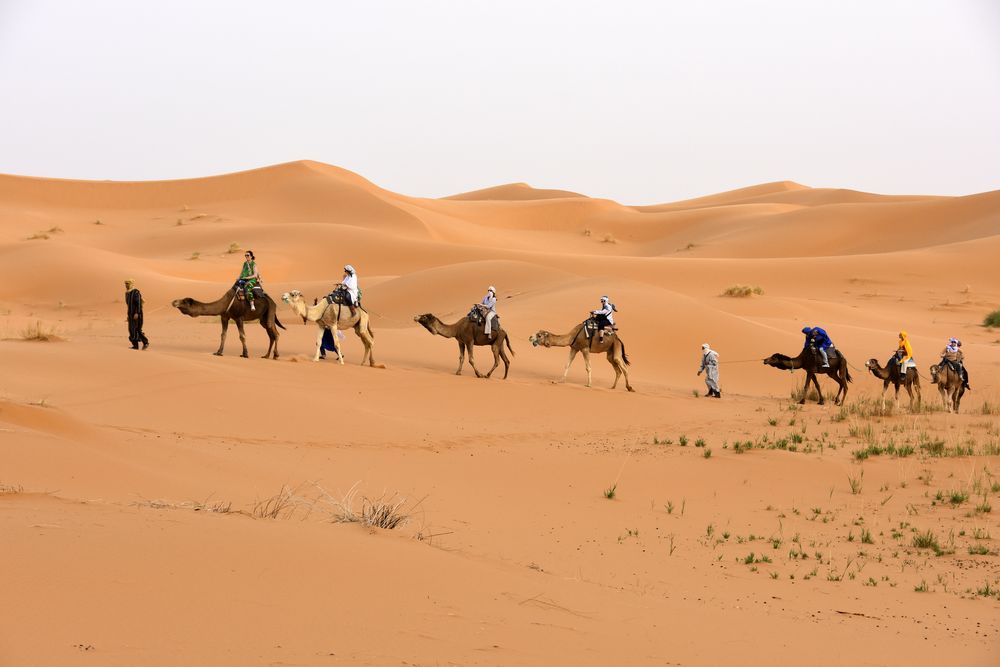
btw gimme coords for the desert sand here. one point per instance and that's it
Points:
(133, 482)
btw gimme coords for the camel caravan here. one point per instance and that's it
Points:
(342, 309)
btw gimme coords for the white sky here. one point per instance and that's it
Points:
(637, 101)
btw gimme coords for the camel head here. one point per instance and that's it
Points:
(777, 360)
(184, 305)
(540, 337)
(289, 297)
(426, 321)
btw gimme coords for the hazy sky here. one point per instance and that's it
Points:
(637, 101)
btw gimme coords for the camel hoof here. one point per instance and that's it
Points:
(245, 356)
(630, 389)
(216, 354)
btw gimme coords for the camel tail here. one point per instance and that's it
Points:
(506, 339)
(278, 322)
(625, 356)
(847, 370)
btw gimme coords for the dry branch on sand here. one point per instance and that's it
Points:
(220, 507)
(11, 489)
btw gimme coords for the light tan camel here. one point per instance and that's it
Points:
(577, 341)
(469, 334)
(334, 316)
(949, 383)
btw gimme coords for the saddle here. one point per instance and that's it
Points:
(241, 293)
(831, 352)
(340, 296)
(590, 328)
(477, 315)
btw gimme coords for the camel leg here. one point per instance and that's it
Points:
(243, 339)
(572, 356)
(885, 387)
(472, 361)
(367, 354)
(461, 357)
(272, 339)
(506, 362)
(897, 396)
(819, 390)
(621, 365)
(336, 344)
(369, 344)
(319, 341)
(586, 363)
(222, 339)
(614, 366)
(496, 356)
(916, 387)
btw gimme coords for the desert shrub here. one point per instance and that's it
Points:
(992, 320)
(40, 333)
(743, 291)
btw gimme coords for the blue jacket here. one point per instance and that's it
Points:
(819, 338)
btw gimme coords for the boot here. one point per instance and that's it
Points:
(710, 393)
(717, 394)
(252, 305)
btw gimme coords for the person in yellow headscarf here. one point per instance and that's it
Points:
(904, 353)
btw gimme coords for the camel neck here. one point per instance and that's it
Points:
(216, 307)
(562, 340)
(446, 330)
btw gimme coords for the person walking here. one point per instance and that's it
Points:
(133, 302)
(710, 365)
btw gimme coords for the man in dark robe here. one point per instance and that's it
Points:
(133, 301)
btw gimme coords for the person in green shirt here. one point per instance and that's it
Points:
(249, 276)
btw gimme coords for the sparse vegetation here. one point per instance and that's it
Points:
(922, 587)
(40, 333)
(992, 320)
(234, 248)
(744, 291)
(195, 255)
(856, 482)
(927, 540)
(11, 489)
(611, 491)
(707, 453)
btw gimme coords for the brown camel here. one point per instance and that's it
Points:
(578, 341)
(808, 362)
(950, 384)
(891, 374)
(229, 307)
(469, 334)
(335, 317)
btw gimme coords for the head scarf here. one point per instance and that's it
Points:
(705, 346)
(349, 268)
(806, 330)
(493, 289)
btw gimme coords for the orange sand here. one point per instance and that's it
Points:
(512, 554)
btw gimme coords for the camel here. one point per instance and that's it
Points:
(808, 362)
(231, 308)
(950, 385)
(469, 334)
(891, 374)
(334, 316)
(577, 341)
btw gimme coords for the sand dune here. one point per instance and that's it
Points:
(116, 462)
